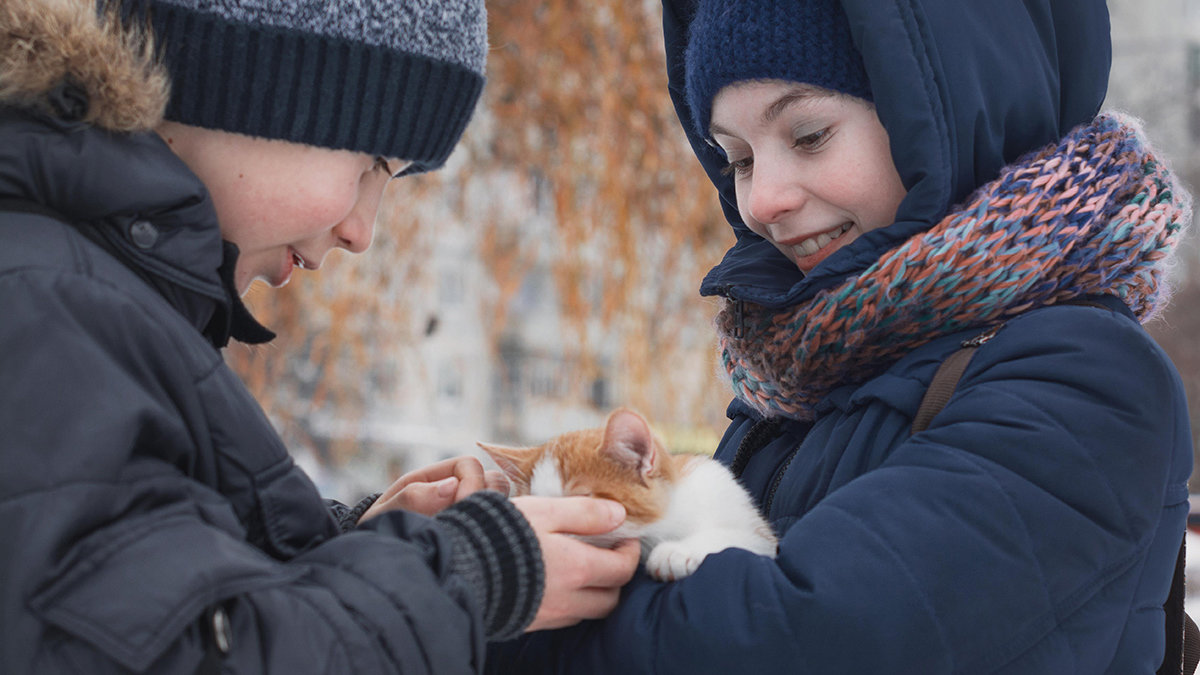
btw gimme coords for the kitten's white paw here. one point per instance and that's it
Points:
(673, 560)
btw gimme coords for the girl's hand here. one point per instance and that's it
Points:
(433, 488)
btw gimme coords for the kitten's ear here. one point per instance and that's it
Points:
(628, 439)
(510, 460)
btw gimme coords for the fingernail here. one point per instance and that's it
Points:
(447, 486)
(617, 511)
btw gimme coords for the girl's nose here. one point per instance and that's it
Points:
(774, 194)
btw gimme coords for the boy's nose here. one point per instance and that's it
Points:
(355, 232)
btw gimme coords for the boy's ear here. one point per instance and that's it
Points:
(516, 463)
(629, 441)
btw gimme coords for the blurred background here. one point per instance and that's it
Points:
(549, 273)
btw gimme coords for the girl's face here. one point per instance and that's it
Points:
(284, 205)
(812, 169)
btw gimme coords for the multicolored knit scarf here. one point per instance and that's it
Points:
(1096, 213)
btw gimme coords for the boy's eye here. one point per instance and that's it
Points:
(385, 165)
(738, 166)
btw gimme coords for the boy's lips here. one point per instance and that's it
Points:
(292, 260)
(302, 262)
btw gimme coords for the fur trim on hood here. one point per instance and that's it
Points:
(47, 43)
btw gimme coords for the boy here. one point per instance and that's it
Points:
(152, 517)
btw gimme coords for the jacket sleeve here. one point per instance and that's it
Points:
(1035, 495)
(116, 560)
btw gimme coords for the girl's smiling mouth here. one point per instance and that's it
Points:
(807, 252)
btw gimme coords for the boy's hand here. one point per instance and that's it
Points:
(430, 489)
(582, 581)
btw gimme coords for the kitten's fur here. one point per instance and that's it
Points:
(681, 507)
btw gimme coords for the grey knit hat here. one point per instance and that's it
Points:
(397, 78)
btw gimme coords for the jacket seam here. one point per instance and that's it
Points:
(1072, 603)
(119, 482)
(921, 57)
(93, 280)
(965, 384)
(361, 619)
(903, 566)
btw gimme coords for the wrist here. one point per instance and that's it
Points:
(497, 553)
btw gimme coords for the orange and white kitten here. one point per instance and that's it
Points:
(681, 507)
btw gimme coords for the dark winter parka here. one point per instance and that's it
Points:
(1033, 527)
(152, 519)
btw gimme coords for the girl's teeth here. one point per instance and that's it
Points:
(807, 247)
(811, 246)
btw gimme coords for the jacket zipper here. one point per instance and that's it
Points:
(739, 319)
(779, 480)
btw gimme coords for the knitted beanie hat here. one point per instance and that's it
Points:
(396, 78)
(805, 41)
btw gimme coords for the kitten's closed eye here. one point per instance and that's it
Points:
(682, 507)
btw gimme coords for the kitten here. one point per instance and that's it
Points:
(681, 507)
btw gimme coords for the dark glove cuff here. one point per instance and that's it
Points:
(497, 553)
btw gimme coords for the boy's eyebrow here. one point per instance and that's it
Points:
(795, 96)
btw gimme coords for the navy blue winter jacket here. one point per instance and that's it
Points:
(151, 517)
(1033, 527)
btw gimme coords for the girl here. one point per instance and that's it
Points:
(903, 177)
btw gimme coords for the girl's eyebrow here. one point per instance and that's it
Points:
(795, 96)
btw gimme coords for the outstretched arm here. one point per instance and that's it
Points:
(1012, 535)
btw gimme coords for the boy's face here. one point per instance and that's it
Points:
(812, 169)
(285, 205)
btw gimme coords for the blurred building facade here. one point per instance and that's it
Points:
(455, 383)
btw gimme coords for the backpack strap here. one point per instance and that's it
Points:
(945, 380)
(1182, 653)
(1191, 645)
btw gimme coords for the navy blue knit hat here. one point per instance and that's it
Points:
(396, 78)
(804, 41)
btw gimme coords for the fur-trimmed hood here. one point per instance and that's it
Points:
(80, 98)
(45, 44)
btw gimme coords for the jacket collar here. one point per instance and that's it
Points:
(133, 196)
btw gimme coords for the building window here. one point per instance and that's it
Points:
(599, 394)
(450, 382)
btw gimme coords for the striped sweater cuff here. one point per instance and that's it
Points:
(497, 553)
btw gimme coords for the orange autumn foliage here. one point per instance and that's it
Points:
(577, 118)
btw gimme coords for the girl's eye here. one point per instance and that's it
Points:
(812, 141)
(740, 167)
